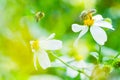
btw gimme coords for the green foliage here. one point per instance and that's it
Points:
(18, 26)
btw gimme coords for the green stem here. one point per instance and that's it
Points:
(116, 55)
(100, 55)
(72, 67)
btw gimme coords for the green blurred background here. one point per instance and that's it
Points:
(18, 27)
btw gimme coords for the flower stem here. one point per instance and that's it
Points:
(72, 67)
(100, 55)
(116, 56)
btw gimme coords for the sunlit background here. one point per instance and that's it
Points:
(18, 26)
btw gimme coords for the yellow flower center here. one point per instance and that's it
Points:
(35, 45)
(88, 20)
(78, 57)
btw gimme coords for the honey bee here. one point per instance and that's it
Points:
(39, 15)
(85, 14)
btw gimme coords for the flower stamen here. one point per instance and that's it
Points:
(35, 45)
(88, 20)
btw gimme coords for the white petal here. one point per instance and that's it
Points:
(51, 36)
(77, 28)
(72, 73)
(104, 24)
(95, 54)
(98, 17)
(43, 59)
(79, 64)
(35, 59)
(51, 44)
(80, 35)
(98, 34)
(58, 63)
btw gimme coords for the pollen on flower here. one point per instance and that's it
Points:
(88, 20)
(35, 45)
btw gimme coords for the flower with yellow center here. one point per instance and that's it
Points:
(39, 48)
(94, 23)
(78, 64)
(83, 65)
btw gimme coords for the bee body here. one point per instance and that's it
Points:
(86, 14)
(39, 15)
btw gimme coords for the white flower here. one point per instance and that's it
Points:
(39, 48)
(82, 65)
(94, 23)
(87, 68)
